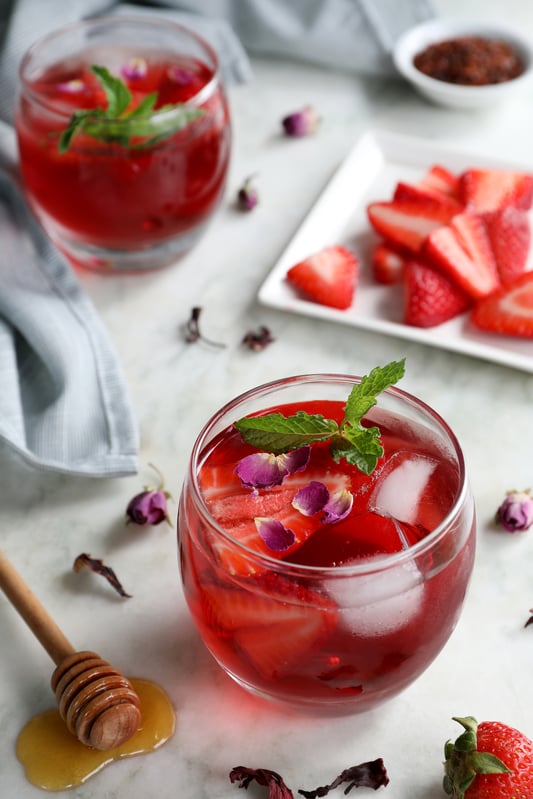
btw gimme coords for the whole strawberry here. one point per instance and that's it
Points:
(488, 761)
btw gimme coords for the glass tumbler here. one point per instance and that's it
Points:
(144, 170)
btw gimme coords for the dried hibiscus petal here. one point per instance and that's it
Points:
(258, 340)
(263, 776)
(372, 774)
(98, 567)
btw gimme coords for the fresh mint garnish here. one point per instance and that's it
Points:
(116, 124)
(358, 445)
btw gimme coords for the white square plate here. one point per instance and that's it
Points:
(370, 172)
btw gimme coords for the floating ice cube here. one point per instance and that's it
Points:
(401, 485)
(380, 603)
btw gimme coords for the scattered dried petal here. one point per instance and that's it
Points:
(270, 779)
(150, 506)
(75, 86)
(530, 620)
(265, 470)
(259, 340)
(516, 511)
(275, 535)
(181, 76)
(134, 68)
(301, 123)
(192, 330)
(247, 196)
(98, 567)
(372, 774)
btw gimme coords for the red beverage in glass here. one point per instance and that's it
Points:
(353, 611)
(111, 202)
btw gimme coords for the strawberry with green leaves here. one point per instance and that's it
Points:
(488, 761)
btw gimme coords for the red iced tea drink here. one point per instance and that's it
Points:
(330, 588)
(124, 194)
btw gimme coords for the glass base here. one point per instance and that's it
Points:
(109, 261)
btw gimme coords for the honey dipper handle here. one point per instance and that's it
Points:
(33, 612)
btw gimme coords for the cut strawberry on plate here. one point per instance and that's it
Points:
(490, 189)
(407, 223)
(441, 179)
(388, 264)
(328, 276)
(448, 205)
(462, 251)
(510, 237)
(508, 311)
(430, 297)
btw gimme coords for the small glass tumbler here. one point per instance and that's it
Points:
(137, 183)
(357, 610)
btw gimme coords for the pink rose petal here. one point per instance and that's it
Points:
(134, 69)
(265, 470)
(74, 86)
(338, 506)
(277, 537)
(311, 498)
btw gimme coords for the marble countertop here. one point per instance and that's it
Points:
(46, 520)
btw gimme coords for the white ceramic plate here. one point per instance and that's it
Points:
(370, 172)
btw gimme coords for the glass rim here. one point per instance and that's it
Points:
(200, 97)
(375, 564)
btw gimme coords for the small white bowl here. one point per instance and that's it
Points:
(454, 95)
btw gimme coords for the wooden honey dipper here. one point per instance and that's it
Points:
(97, 703)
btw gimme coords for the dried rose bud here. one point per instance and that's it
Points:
(516, 511)
(150, 506)
(247, 196)
(301, 123)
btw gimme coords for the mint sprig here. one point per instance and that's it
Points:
(115, 124)
(358, 445)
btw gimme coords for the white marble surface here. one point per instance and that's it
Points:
(46, 520)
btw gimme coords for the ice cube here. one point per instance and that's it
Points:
(378, 603)
(401, 484)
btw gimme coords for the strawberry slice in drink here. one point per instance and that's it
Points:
(235, 509)
(274, 622)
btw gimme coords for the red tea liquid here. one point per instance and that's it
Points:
(301, 625)
(108, 195)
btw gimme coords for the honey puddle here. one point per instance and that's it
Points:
(55, 760)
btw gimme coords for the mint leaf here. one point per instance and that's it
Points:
(277, 433)
(117, 93)
(138, 128)
(357, 444)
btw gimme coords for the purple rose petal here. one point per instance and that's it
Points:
(134, 69)
(265, 470)
(338, 506)
(277, 537)
(260, 470)
(183, 77)
(315, 497)
(311, 498)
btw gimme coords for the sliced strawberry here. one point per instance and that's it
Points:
(509, 310)
(328, 276)
(407, 223)
(275, 624)
(387, 264)
(462, 251)
(490, 189)
(428, 194)
(430, 297)
(441, 179)
(510, 237)
(236, 508)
